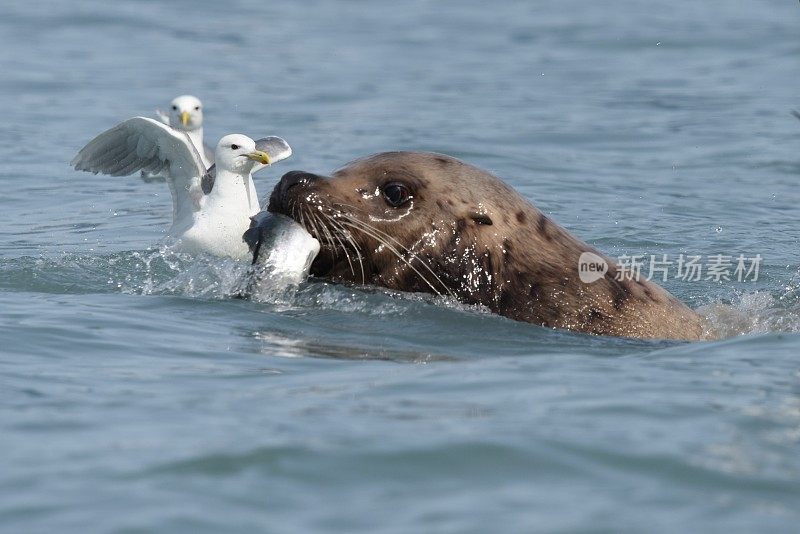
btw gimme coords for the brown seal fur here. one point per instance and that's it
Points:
(463, 232)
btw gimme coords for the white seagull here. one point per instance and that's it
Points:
(211, 209)
(185, 113)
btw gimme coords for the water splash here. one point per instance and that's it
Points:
(165, 271)
(159, 270)
(759, 312)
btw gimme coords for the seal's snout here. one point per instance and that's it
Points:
(291, 183)
(293, 178)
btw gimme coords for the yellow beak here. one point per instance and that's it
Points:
(259, 156)
(185, 117)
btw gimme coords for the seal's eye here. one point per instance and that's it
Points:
(234, 147)
(396, 194)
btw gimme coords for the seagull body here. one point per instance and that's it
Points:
(210, 209)
(224, 213)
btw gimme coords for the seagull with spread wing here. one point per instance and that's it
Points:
(211, 208)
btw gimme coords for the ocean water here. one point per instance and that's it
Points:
(136, 395)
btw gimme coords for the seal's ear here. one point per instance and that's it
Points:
(481, 218)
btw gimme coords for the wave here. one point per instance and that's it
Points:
(756, 312)
(163, 270)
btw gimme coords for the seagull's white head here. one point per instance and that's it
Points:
(186, 113)
(237, 153)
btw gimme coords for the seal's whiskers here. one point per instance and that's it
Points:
(366, 229)
(334, 235)
(341, 230)
(384, 238)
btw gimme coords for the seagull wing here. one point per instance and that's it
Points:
(277, 148)
(209, 153)
(163, 117)
(142, 144)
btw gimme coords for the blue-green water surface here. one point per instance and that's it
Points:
(137, 396)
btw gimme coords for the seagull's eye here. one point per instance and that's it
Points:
(234, 147)
(197, 108)
(396, 194)
(175, 108)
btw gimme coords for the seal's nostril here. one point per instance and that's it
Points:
(279, 200)
(294, 178)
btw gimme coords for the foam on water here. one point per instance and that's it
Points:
(754, 313)
(164, 271)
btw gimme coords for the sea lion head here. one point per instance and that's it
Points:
(426, 222)
(409, 221)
